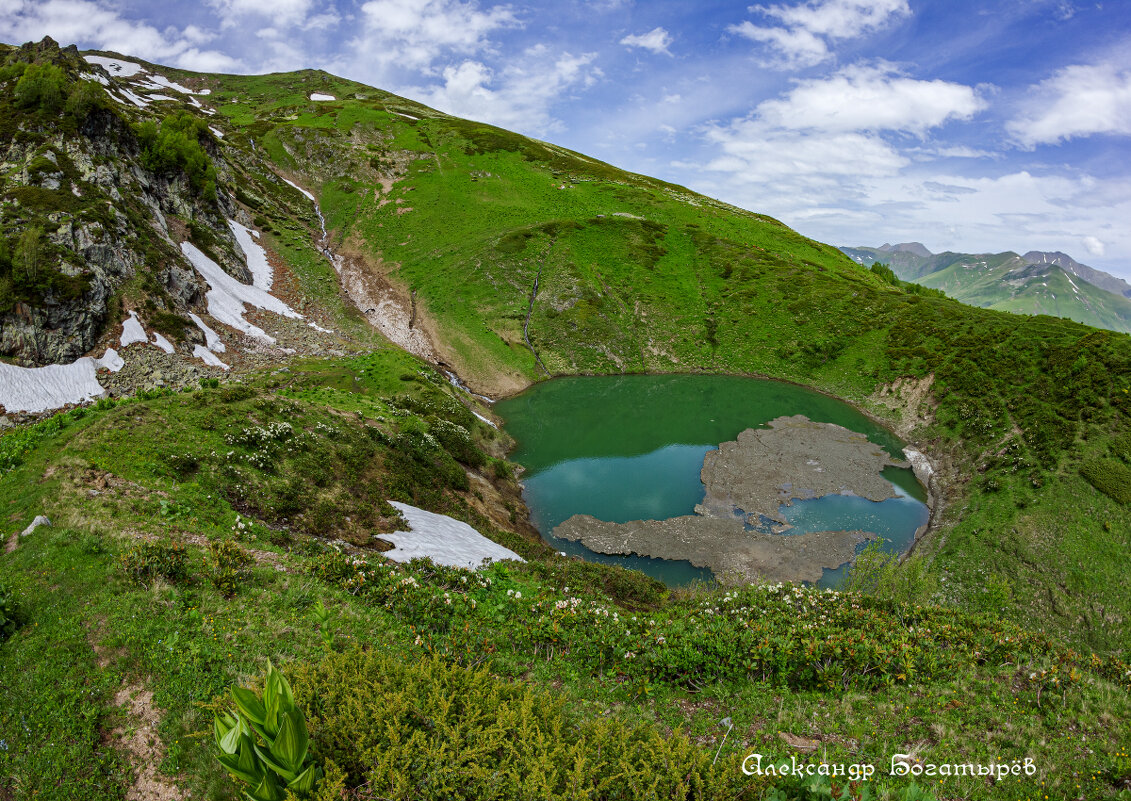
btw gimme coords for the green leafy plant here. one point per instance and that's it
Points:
(265, 745)
(230, 566)
(9, 619)
(146, 561)
(321, 615)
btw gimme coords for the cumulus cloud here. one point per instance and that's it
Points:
(518, 97)
(282, 13)
(871, 98)
(827, 137)
(656, 40)
(806, 31)
(1079, 100)
(96, 25)
(414, 34)
(1094, 246)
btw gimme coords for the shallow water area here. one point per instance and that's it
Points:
(624, 448)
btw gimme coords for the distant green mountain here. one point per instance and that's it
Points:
(1035, 283)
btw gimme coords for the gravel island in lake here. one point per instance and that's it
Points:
(747, 481)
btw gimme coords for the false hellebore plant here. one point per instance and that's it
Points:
(272, 763)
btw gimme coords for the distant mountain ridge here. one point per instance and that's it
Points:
(1037, 282)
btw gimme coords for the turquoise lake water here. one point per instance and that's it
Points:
(624, 448)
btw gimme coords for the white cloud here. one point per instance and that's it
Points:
(807, 29)
(282, 13)
(1094, 246)
(96, 25)
(413, 34)
(871, 98)
(656, 40)
(518, 97)
(1079, 100)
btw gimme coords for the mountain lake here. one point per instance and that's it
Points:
(632, 448)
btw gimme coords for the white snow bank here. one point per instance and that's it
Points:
(94, 76)
(218, 133)
(444, 540)
(130, 96)
(317, 327)
(920, 464)
(205, 92)
(208, 357)
(320, 96)
(164, 83)
(254, 255)
(227, 296)
(37, 389)
(211, 338)
(111, 361)
(116, 66)
(162, 343)
(132, 331)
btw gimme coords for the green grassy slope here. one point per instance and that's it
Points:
(595, 673)
(1027, 418)
(637, 275)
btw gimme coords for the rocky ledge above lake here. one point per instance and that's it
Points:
(749, 479)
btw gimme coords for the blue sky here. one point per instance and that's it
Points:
(972, 126)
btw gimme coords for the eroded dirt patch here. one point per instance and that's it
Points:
(912, 399)
(139, 739)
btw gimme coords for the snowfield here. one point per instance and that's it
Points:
(132, 331)
(38, 389)
(227, 296)
(442, 539)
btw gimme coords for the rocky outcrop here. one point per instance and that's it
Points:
(108, 223)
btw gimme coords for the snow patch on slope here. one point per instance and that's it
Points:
(132, 331)
(208, 357)
(211, 338)
(227, 296)
(254, 254)
(442, 539)
(162, 343)
(116, 66)
(38, 389)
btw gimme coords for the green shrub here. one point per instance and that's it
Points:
(175, 146)
(9, 614)
(1110, 477)
(428, 730)
(86, 98)
(1121, 447)
(146, 561)
(229, 566)
(41, 86)
(456, 440)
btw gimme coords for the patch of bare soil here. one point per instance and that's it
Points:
(139, 739)
(912, 399)
(404, 320)
(389, 309)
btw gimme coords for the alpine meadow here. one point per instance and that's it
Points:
(252, 329)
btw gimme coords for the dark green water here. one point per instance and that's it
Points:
(626, 448)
